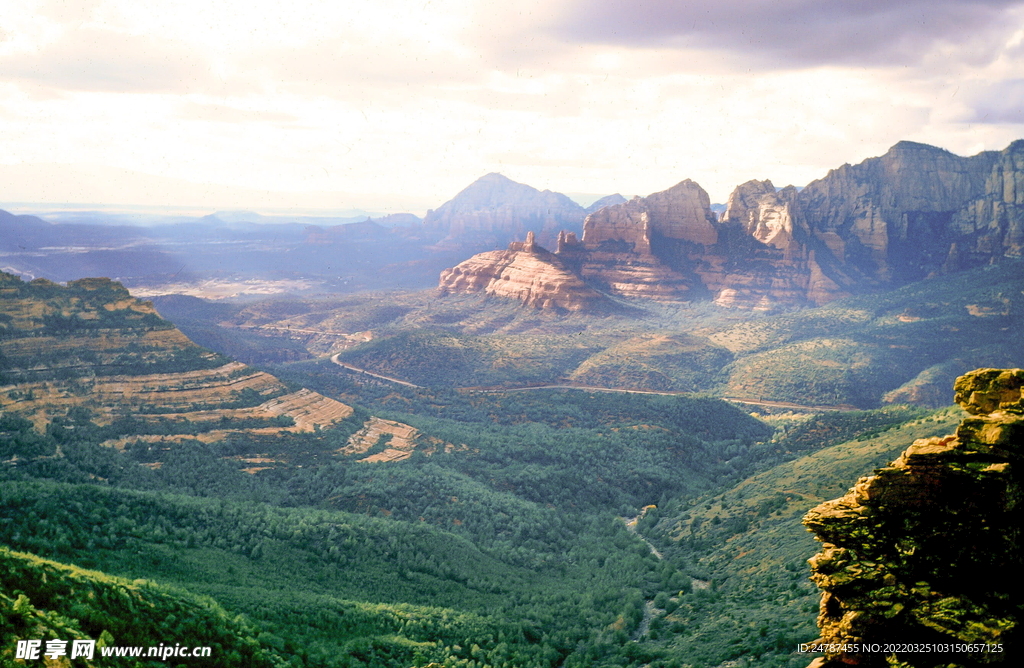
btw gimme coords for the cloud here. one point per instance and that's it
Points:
(221, 113)
(91, 59)
(1002, 102)
(790, 33)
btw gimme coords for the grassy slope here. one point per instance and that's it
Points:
(910, 343)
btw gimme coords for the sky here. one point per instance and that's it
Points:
(394, 105)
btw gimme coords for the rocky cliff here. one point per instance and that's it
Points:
(915, 212)
(916, 557)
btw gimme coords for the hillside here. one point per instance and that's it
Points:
(44, 600)
(87, 362)
(507, 544)
(904, 346)
(315, 584)
(751, 599)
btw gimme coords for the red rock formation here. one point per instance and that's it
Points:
(682, 212)
(525, 272)
(620, 242)
(914, 212)
(772, 267)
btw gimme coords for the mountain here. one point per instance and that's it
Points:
(225, 255)
(915, 212)
(607, 200)
(494, 210)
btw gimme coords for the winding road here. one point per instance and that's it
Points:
(355, 369)
(589, 388)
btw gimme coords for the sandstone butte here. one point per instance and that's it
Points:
(924, 551)
(525, 272)
(915, 212)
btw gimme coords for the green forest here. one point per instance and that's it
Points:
(511, 550)
(549, 528)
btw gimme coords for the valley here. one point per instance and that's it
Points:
(515, 433)
(902, 346)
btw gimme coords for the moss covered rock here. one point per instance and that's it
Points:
(917, 559)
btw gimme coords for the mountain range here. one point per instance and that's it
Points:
(915, 212)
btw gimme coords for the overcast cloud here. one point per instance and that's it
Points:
(312, 103)
(795, 33)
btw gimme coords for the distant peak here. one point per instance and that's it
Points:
(915, 146)
(494, 176)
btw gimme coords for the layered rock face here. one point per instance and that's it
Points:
(91, 347)
(525, 272)
(915, 212)
(772, 265)
(890, 219)
(622, 243)
(923, 551)
(494, 210)
(681, 212)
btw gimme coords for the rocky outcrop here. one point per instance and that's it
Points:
(525, 272)
(771, 264)
(669, 246)
(918, 553)
(494, 210)
(682, 212)
(624, 245)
